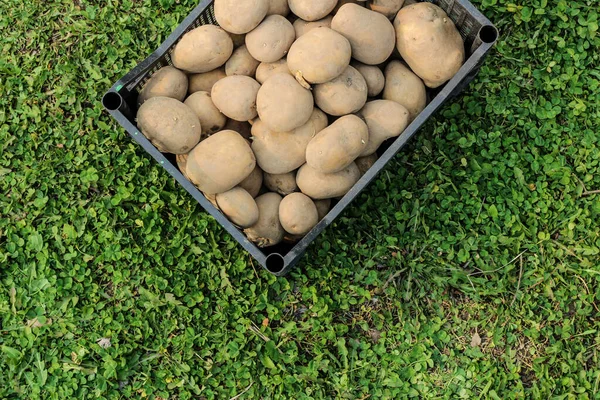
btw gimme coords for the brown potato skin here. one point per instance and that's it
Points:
(365, 163)
(283, 152)
(271, 40)
(283, 104)
(389, 8)
(404, 87)
(343, 95)
(211, 119)
(181, 160)
(238, 206)
(298, 214)
(240, 16)
(318, 185)
(235, 96)
(203, 49)
(429, 42)
(312, 10)
(253, 183)
(241, 63)
(311, 63)
(241, 127)
(238, 39)
(370, 34)
(373, 76)
(323, 207)
(302, 27)
(166, 82)
(385, 119)
(212, 198)
(267, 70)
(337, 146)
(268, 230)
(342, 3)
(170, 125)
(204, 82)
(289, 238)
(284, 184)
(220, 162)
(278, 7)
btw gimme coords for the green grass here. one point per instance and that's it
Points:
(469, 269)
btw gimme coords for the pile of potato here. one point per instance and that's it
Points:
(283, 107)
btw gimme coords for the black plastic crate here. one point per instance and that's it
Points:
(479, 35)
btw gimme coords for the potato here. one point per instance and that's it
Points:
(205, 81)
(266, 70)
(283, 184)
(312, 10)
(166, 82)
(337, 146)
(181, 160)
(170, 125)
(389, 8)
(268, 230)
(211, 119)
(365, 163)
(238, 206)
(385, 119)
(341, 3)
(253, 183)
(271, 40)
(279, 7)
(404, 87)
(291, 239)
(302, 27)
(319, 56)
(373, 76)
(429, 42)
(322, 210)
(370, 34)
(241, 63)
(241, 127)
(343, 95)
(323, 207)
(220, 162)
(202, 49)
(238, 40)
(212, 198)
(283, 104)
(283, 152)
(235, 96)
(240, 16)
(298, 214)
(318, 185)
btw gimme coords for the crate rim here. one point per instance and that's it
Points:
(276, 263)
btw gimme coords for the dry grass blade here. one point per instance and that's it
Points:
(242, 392)
(519, 282)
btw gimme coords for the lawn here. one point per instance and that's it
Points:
(469, 269)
